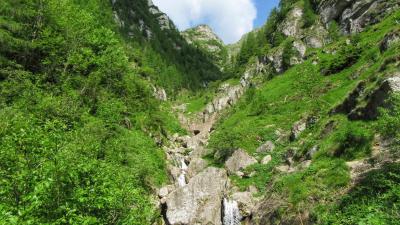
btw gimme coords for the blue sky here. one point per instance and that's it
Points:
(230, 19)
(263, 7)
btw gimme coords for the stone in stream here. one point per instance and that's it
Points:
(198, 202)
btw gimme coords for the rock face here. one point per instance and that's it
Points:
(227, 96)
(238, 161)
(163, 20)
(199, 202)
(354, 15)
(293, 22)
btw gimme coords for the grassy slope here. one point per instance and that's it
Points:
(300, 92)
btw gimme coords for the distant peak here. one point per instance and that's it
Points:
(205, 31)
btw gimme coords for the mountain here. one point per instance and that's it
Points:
(208, 42)
(169, 60)
(110, 115)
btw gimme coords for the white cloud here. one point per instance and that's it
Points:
(230, 19)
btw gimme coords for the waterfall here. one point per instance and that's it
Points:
(231, 213)
(182, 176)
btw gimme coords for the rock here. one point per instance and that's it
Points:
(200, 152)
(266, 147)
(376, 99)
(292, 24)
(300, 47)
(199, 202)
(239, 174)
(304, 165)
(163, 192)
(246, 203)
(266, 159)
(355, 15)
(160, 94)
(389, 40)
(196, 166)
(297, 129)
(283, 168)
(252, 189)
(312, 152)
(275, 57)
(238, 161)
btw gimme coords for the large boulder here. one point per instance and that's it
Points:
(196, 166)
(238, 161)
(245, 202)
(199, 202)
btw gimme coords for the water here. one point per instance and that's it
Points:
(182, 176)
(231, 213)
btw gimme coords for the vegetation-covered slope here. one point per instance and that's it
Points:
(311, 169)
(76, 117)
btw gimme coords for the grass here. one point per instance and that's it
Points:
(301, 92)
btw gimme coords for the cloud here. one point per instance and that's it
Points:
(230, 19)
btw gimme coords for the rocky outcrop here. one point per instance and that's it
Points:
(199, 202)
(163, 20)
(227, 96)
(160, 94)
(354, 15)
(238, 161)
(376, 99)
(266, 147)
(291, 26)
(363, 104)
(297, 129)
(390, 39)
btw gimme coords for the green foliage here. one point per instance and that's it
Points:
(389, 124)
(309, 16)
(344, 58)
(354, 141)
(334, 31)
(75, 118)
(375, 200)
(268, 112)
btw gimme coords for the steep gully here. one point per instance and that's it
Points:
(200, 194)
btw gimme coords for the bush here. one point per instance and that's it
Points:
(344, 58)
(375, 200)
(389, 121)
(309, 16)
(353, 141)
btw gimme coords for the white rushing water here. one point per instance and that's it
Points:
(182, 176)
(231, 213)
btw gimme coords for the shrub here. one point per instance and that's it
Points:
(353, 141)
(344, 58)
